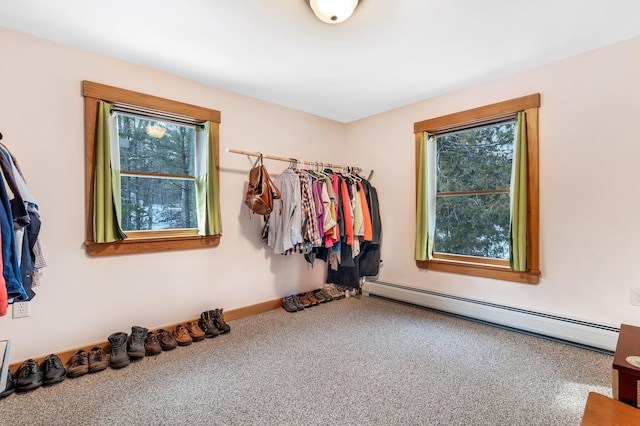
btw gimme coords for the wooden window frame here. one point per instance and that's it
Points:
(153, 241)
(486, 267)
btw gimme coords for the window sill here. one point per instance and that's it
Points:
(150, 245)
(480, 270)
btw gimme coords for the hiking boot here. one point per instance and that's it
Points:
(28, 376)
(321, 296)
(10, 386)
(289, 305)
(312, 298)
(78, 364)
(97, 360)
(218, 320)
(166, 339)
(182, 336)
(297, 302)
(207, 325)
(195, 332)
(152, 344)
(304, 300)
(54, 371)
(135, 344)
(119, 357)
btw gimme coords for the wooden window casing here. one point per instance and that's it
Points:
(485, 267)
(141, 241)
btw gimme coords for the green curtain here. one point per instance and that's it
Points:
(207, 186)
(425, 208)
(106, 184)
(518, 234)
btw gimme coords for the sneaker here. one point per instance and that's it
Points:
(135, 344)
(119, 357)
(289, 305)
(78, 364)
(54, 371)
(182, 336)
(152, 344)
(28, 376)
(166, 339)
(207, 325)
(333, 291)
(97, 360)
(218, 320)
(195, 332)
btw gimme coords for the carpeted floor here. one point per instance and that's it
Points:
(356, 361)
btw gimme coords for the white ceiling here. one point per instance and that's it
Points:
(389, 54)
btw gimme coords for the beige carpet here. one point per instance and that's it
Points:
(357, 361)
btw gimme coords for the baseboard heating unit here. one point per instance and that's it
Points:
(589, 335)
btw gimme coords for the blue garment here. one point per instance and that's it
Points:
(10, 268)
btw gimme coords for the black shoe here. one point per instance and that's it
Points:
(54, 371)
(119, 357)
(135, 344)
(28, 376)
(218, 320)
(297, 302)
(10, 386)
(289, 305)
(322, 296)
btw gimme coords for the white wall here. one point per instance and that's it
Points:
(82, 299)
(589, 185)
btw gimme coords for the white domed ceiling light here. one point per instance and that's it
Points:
(333, 11)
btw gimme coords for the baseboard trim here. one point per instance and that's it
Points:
(231, 315)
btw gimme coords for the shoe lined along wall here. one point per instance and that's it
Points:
(121, 349)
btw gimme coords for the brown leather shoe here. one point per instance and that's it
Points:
(196, 333)
(305, 300)
(206, 324)
(166, 339)
(182, 336)
(78, 364)
(152, 344)
(312, 298)
(97, 360)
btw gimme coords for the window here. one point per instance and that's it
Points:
(151, 173)
(157, 162)
(470, 185)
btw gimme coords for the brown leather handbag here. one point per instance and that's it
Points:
(261, 191)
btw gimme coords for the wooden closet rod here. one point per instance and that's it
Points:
(290, 160)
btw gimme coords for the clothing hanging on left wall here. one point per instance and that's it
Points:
(22, 257)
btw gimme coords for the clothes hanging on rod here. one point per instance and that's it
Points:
(327, 215)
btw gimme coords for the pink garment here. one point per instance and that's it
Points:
(3, 293)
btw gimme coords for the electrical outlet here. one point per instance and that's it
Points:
(634, 296)
(21, 309)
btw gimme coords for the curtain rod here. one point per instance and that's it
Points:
(289, 160)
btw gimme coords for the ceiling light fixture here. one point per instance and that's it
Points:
(156, 130)
(333, 11)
